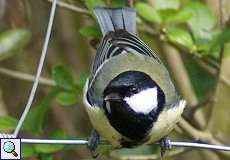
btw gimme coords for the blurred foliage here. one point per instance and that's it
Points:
(147, 12)
(181, 37)
(90, 31)
(189, 26)
(12, 41)
(41, 148)
(95, 3)
(7, 123)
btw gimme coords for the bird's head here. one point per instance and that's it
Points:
(133, 91)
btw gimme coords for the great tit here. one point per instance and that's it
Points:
(129, 96)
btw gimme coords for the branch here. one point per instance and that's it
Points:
(179, 73)
(25, 77)
(203, 102)
(212, 71)
(2, 8)
(203, 136)
(3, 107)
(71, 7)
(221, 55)
(182, 81)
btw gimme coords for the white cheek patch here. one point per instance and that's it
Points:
(107, 105)
(144, 101)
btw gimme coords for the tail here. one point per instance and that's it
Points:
(115, 19)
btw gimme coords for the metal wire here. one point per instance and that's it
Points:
(50, 141)
(39, 70)
(84, 142)
(200, 146)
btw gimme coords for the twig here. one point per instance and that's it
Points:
(2, 8)
(179, 73)
(204, 136)
(182, 80)
(212, 71)
(71, 7)
(221, 12)
(225, 80)
(214, 92)
(204, 102)
(3, 108)
(25, 76)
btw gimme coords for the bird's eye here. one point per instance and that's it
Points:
(133, 89)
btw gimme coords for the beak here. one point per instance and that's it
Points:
(112, 97)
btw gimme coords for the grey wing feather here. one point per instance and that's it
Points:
(116, 43)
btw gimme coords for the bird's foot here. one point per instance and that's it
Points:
(165, 145)
(93, 143)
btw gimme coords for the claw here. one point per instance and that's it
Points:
(93, 143)
(165, 145)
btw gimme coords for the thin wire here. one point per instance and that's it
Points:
(49, 141)
(84, 142)
(200, 145)
(39, 70)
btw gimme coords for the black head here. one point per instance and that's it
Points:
(132, 102)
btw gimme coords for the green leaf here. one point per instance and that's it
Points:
(47, 157)
(167, 4)
(201, 80)
(147, 12)
(67, 98)
(28, 150)
(181, 37)
(82, 78)
(7, 123)
(220, 39)
(202, 19)
(138, 151)
(12, 41)
(90, 31)
(117, 3)
(50, 148)
(173, 16)
(227, 49)
(94, 3)
(63, 77)
(166, 13)
(35, 120)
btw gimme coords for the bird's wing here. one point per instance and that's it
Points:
(116, 43)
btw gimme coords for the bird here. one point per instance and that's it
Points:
(129, 95)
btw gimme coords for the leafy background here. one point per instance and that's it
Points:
(186, 35)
